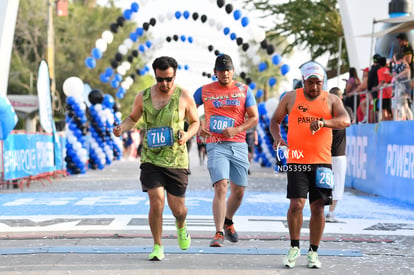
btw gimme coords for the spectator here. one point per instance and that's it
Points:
(385, 90)
(338, 161)
(351, 86)
(402, 74)
(373, 83)
(127, 142)
(363, 100)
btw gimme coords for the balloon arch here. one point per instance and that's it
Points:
(103, 146)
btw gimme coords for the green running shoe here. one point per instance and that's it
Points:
(184, 239)
(290, 258)
(157, 253)
(313, 261)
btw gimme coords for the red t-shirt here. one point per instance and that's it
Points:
(384, 75)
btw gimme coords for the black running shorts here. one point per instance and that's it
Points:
(302, 180)
(174, 180)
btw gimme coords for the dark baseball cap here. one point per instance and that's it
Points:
(376, 58)
(223, 63)
(402, 36)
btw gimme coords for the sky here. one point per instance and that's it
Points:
(196, 55)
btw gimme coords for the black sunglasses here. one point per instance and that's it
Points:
(162, 79)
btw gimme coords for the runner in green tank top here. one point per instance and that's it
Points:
(163, 108)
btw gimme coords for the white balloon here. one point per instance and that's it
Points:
(122, 49)
(161, 18)
(128, 43)
(125, 85)
(72, 139)
(256, 60)
(121, 70)
(212, 22)
(108, 36)
(129, 80)
(126, 65)
(219, 26)
(170, 15)
(73, 86)
(98, 107)
(257, 33)
(101, 44)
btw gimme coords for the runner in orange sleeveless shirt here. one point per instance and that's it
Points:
(312, 115)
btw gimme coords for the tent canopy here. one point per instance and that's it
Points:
(404, 24)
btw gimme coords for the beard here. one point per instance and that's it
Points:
(313, 93)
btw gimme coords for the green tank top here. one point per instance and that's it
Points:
(174, 156)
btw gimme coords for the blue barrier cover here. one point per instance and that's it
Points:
(28, 155)
(380, 159)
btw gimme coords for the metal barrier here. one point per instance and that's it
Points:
(396, 98)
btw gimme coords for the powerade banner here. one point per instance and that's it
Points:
(29, 155)
(380, 159)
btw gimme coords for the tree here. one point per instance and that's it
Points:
(312, 25)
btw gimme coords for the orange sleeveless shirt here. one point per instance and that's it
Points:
(305, 148)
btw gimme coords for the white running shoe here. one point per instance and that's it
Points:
(313, 260)
(290, 258)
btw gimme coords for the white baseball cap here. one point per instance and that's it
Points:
(312, 69)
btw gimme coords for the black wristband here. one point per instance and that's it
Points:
(323, 121)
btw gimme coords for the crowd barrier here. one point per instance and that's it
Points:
(380, 159)
(397, 102)
(31, 156)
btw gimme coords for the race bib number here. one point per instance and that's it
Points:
(160, 137)
(324, 178)
(219, 123)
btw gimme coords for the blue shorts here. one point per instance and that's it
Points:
(228, 160)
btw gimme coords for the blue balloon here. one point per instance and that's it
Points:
(141, 48)
(186, 14)
(114, 84)
(272, 81)
(259, 93)
(252, 85)
(8, 118)
(262, 66)
(133, 36)
(142, 71)
(186, 67)
(146, 68)
(97, 53)
(233, 36)
(139, 31)
(90, 62)
(120, 93)
(118, 77)
(148, 44)
(276, 59)
(284, 69)
(135, 7)
(109, 71)
(108, 101)
(182, 37)
(237, 14)
(177, 14)
(127, 14)
(245, 21)
(226, 30)
(190, 39)
(179, 67)
(262, 109)
(104, 78)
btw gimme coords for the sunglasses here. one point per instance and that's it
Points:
(162, 79)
